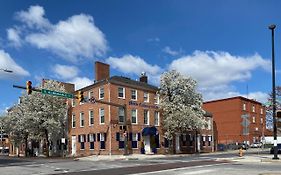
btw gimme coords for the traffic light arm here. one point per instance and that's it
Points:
(23, 87)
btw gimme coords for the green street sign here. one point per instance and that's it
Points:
(55, 93)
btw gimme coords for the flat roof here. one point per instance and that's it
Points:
(232, 98)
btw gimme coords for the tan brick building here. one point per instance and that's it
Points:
(237, 120)
(122, 111)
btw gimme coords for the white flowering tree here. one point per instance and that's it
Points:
(39, 116)
(180, 103)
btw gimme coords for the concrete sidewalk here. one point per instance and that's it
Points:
(155, 156)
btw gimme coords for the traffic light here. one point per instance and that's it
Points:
(28, 87)
(80, 96)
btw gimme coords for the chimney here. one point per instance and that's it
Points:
(143, 77)
(101, 71)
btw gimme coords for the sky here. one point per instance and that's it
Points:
(225, 45)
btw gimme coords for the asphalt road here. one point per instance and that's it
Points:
(211, 164)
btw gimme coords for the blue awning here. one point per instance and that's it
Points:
(149, 131)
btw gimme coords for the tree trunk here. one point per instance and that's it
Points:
(47, 142)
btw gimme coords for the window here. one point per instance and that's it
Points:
(121, 115)
(261, 120)
(146, 97)
(146, 117)
(261, 110)
(133, 94)
(244, 106)
(81, 119)
(254, 119)
(91, 94)
(102, 140)
(101, 93)
(134, 116)
(253, 108)
(82, 140)
(101, 116)
(135, 137)
(209, 140)
(73, 121)
(92, 139)
(73, 102)
(120, 137)
(121, 92)
(91, 118)
(156, 118)
(156, 99)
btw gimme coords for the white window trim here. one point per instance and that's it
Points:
(136, 95)
(100, 93)
(100, 116)
(123, 115)
(89, 94)
(136, 135)
(72, 119)
(147, 97)
(158, 114)
(157, 99)
(244, 107)
(124, 96)
(261, 110)
(136, 117)
(254, 119)
(81, 120)
(253, 108)
(147, 118)
(90, 118)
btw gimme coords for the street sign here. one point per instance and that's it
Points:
(56, 93)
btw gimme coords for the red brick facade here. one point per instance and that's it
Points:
(228, 123)
(111, 125)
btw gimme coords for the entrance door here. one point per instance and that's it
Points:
(147, 148)
(73, 145)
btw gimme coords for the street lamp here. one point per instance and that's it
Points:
(6, 70)
(272, 27)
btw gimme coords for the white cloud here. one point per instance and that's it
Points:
(73, 39)
(14, 37)
(8, 63)
(133, 64)
(218, 68)
(258, 96)
(34, 17)
(65, 72)
(171, 52)
(81, 82)
(215, 71)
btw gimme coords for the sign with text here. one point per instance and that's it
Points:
(55, 93)
(145, 105)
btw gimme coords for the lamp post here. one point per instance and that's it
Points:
(6, 70)
(272, 27)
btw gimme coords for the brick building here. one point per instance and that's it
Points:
(237, 120)
(122, 111)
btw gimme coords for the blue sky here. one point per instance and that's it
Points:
(224, 45)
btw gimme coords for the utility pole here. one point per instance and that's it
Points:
(272, 27)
